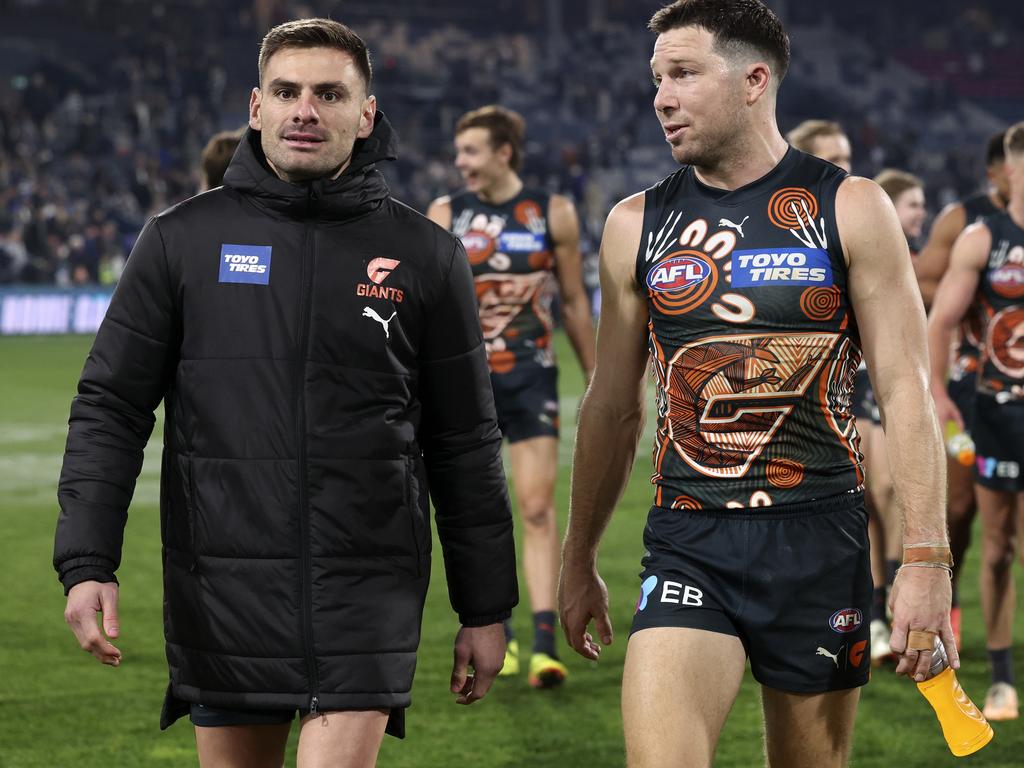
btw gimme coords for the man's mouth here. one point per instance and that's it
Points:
(674, 131)
(300, 140)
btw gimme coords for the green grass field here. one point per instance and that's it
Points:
(59, 707)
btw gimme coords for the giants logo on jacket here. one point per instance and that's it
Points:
(379, 270)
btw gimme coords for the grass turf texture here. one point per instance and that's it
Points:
(59, 707)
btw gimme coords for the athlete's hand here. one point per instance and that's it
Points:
(85, 600)
(945, 408)
(582, 596)
(920, 600)
(479, 656)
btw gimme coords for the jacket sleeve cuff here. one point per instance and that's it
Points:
(86, 573)
(483, 621)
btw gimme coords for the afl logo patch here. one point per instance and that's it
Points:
(678, 274)
(845, 620)
(1008, 281)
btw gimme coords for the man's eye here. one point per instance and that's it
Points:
(330, 97)
(284, 93)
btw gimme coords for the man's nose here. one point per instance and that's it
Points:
(305, 111)
(664, 101)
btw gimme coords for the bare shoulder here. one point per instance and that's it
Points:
(858, 197)
(440, 211)
(562, 218)
(953, 215)
(622, 233)
(868, 226)
(973, 244)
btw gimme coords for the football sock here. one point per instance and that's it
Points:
(544, 633)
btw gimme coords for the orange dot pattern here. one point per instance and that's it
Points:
(786, 207)
(783, 473)
(820, 304)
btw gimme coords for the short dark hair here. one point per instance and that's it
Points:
(217, 156)
(317, 33)
(504, 125)
(995, 152)
(734, 23)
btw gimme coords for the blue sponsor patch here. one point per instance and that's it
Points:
(781, 266)
(520, 242)
(245, 264)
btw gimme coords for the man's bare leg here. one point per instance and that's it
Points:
(349, 739)
(808, 730)
(242, 746)
(999, 533)
(678, 686)
(534, 464)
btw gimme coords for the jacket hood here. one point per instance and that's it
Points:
(359, 189)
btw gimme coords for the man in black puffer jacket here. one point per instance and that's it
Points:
(317, 349)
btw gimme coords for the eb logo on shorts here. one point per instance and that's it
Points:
(674, 592)
(245, 264)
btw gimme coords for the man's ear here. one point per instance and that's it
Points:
(367, 118)
(254, 110)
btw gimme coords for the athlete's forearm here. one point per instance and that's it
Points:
(606, 441)
(916, 461)
(580, 328)
(940, 341)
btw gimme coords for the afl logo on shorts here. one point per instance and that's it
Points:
(678, 274)
(845, 620)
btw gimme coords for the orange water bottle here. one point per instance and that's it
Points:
(964, 727)
(960, 447)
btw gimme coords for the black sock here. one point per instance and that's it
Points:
(1002, 665)
(544, 633)
(508, 630)
(891, 566)
(878, 604)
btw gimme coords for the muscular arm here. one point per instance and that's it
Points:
(440, 212)
(565, 232)
(610, 423)
(934, 258)
(892, 328)
(952, 300)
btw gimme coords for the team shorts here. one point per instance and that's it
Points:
(962, 392)
(998, 443)
(527, 402)
(792, 582)
(864, 406)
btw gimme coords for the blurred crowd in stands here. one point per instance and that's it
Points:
(106, 106)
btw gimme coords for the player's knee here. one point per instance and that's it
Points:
(537, 514)
(998, 557)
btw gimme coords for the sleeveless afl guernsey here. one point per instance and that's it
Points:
(1001, 295)
(752, 337)
(965, 362)
(512, 256)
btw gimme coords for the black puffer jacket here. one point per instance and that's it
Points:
(319, 356)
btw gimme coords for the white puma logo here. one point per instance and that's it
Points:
(370, 313)
(731, 225)
(833, 656)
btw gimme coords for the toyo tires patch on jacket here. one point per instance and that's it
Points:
(245, 264)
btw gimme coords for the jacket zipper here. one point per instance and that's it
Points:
(308, 259)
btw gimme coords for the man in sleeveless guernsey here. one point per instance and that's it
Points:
(986, 269)
(523, 247)
(826, 139)
(930, 267)
(752, 278)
